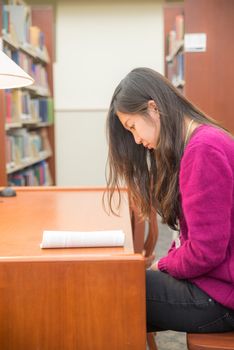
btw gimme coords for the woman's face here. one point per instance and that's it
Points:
(145, 130)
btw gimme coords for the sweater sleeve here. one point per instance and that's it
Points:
(206, 186)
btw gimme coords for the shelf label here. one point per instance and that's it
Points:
(195, 42)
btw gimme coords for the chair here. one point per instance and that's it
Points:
(210, 341)
(146, 247)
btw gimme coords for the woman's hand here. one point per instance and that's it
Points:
(154, 266)
(149, 260)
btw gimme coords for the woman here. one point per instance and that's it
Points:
(178, 161)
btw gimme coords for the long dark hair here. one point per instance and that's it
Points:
(150, 175)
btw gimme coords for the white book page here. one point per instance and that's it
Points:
(72, 239)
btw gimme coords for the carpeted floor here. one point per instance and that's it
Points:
(167, 340)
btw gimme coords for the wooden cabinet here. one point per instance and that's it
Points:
(68, 299)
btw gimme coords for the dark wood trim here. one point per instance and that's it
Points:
(3, 176)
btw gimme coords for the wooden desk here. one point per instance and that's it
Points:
(67, 299)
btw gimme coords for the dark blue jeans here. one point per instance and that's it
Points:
(181, 306)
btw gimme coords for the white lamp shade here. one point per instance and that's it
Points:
(11, 75)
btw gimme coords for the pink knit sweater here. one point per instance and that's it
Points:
(205, 255)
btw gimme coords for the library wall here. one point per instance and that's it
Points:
(97, 43)
(81, 148)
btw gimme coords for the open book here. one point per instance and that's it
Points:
(71, 239)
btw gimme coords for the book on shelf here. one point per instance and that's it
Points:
(36, 37)
(175, 38)
(5, 20)
(26, 147)
(179, 27)
(175, 53)
(46, 108)
(8, 104)
(37, 175)
(21, 107)
(20, 19)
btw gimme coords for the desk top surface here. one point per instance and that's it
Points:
(33, 210)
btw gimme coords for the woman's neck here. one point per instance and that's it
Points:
(189, 126)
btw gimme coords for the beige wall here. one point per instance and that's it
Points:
(80, 148)
(97, 43)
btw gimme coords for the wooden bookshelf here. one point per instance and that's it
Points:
(208, 75)
(42, 58)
